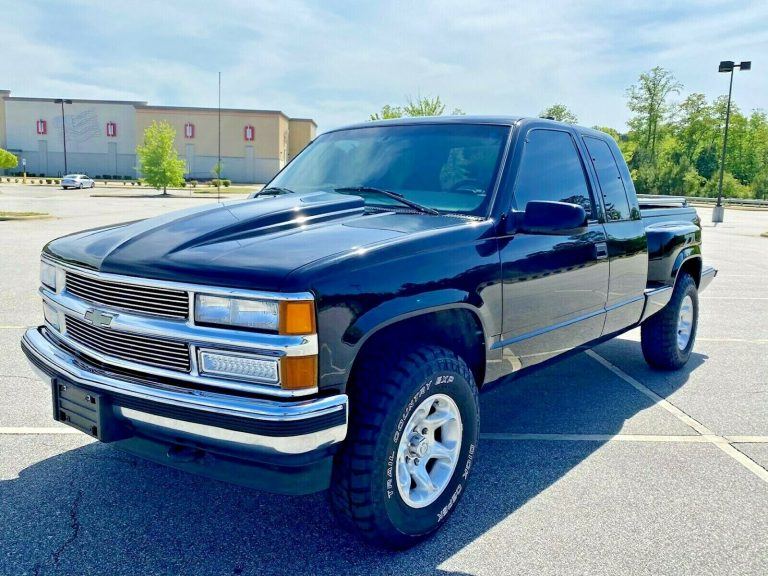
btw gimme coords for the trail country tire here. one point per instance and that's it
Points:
(413, 433)
(668, 336)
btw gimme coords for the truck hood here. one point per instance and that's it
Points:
(251, 243)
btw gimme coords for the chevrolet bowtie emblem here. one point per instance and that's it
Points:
(99, 319)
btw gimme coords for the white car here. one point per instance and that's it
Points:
(77, 181)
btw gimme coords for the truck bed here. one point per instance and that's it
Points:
(656, 209)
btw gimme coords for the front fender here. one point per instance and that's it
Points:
(402, 308)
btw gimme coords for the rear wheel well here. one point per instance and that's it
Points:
(457, 329)
(691, 266)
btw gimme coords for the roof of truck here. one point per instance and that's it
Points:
(500, 120)
(496, 120)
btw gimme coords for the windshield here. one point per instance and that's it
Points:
(449, 167)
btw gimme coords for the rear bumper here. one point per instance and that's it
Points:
(708, 274)
(222, 436)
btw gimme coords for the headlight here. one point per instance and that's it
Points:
(256, 314)
(48, 275)
(294, 317)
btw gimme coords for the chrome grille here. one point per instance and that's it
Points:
(142, 299)
(159, 352)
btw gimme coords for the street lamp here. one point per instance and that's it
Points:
(726, 66)
(63, 129)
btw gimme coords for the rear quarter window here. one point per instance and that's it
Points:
(610, 180)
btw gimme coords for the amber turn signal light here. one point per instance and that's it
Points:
(297, 317)
(297, 372)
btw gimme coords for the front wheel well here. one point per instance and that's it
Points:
(457, 329)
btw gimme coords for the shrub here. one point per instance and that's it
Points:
(226, 182)
(183, 184)
(193, 183)
(49, 181)
(57, 180)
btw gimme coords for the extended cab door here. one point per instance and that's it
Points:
(625, 232)
(554, 285)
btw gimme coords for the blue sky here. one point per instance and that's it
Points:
(339, 61)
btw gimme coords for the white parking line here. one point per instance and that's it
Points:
(733, 298)
(661, 402)
(747, 439)
(706, 433)
(692, 439)
(737, 340)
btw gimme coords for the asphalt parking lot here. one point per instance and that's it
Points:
(594, 465)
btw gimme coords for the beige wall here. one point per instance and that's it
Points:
(91, 151)
(3, 94)
(302, 132)
(233, 143)
(86, 123)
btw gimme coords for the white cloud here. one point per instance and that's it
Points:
(338, 61)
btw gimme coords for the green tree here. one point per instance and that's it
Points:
(559, 112)
(421, 106)
(648, 100)
(387, 113)
(7, 160)
(159, 162)
(695, 127)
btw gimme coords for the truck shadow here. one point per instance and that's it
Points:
(94, 510)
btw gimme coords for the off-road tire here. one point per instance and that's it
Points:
(658, 334)
(384, 394)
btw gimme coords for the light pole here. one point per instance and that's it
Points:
(63, 129)
(726, 66)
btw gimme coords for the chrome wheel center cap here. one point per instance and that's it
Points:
(419, 445)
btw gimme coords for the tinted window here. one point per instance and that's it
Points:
(551, 170)
(614, 195)
(449, 167)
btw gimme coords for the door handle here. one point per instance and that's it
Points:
(601, 250)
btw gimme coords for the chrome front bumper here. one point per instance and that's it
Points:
(211, 421)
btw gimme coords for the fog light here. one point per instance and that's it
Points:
(51, 316)
(239, 366)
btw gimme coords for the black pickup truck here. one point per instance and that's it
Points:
(333, 330)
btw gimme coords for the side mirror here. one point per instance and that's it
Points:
(542, 217)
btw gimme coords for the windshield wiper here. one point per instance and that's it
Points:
(389, 194)
(273, 190)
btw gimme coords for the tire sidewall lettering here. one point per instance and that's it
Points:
(446, 382)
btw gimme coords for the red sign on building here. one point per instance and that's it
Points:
(248, 133)
(189, 130)
(111, 129)
(42, 127)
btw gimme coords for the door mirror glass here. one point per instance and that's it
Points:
(546, 217)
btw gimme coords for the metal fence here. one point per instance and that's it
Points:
(728, 201)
